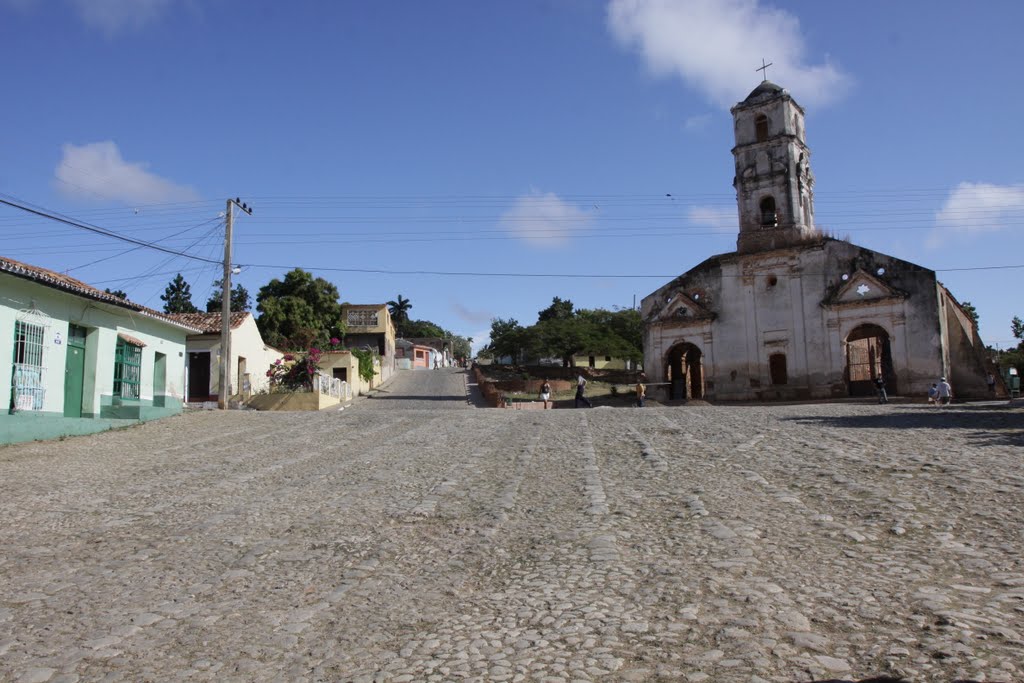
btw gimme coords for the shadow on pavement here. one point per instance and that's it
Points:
(992, 425)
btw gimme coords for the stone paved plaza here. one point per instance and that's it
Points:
(413, 537)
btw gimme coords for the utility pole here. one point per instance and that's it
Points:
(225, 306)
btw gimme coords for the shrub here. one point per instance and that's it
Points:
(294, 374)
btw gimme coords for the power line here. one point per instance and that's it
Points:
(128, 251)
(380, 271)
(96, 229)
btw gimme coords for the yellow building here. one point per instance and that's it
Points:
(601, 362)
(370, 326)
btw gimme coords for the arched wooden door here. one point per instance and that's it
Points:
(684, 371)
(868, 355)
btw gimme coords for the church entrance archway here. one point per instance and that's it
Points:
(684, 371)
(868, 355)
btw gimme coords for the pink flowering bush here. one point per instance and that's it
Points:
(294, 374)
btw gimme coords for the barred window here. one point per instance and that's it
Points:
(127, 369)
(362, 318)
(27, 381)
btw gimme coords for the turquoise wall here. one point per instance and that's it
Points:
(100, 409)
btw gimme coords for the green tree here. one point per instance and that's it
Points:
(177, 297)
(399, 310)
(298, 311)
(1017, 327)
(558, 337)
(116, 292)
(558, 310)
(240, 299)
(422, 328)
(462, 347)
(507, 338)
(615, 333)
(971, 311)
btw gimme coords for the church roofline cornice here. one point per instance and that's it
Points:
(763, 100)
(770, 142)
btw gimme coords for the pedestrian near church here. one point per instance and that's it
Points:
(990, 380)
(945, 392)
(641, 392)
(880, 385)
(581, 385)
(545, 393)
(933, 394)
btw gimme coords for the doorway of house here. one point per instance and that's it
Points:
(869, 355)
(198, 375)
(243, 386)
(684, 371)
(159, 379)
(74, 371)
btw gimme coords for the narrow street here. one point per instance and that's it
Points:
(412, 538)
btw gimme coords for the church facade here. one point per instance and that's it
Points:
(794, 314)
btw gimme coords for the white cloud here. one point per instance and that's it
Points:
(544, 220)
(98, 170)
(714, 217)
(978, 207)
(697, 122)
(112, 16)
(716, 45)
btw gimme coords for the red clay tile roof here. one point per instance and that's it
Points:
(130, 339)
(209, 323)
(66, 283)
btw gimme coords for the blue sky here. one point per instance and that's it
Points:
(542, 137)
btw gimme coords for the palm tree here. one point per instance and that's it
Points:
(399, 310)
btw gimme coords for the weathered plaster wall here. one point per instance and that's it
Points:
(965, 368)
(772, 302)
(246, 342)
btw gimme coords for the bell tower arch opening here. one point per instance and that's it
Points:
(684, 370)
(769, 217)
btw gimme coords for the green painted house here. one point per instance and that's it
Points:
(77, 360)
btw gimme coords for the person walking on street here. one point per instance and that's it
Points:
(880, 384)
(990, 379)
(945, 392)
(545, 393)
(580, 386)
(641, 392)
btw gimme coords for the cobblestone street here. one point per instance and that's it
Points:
(414, 538)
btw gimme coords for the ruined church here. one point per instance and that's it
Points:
(795, 314)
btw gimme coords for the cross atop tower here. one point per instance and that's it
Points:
(764, 68)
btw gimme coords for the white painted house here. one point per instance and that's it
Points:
(250, 356)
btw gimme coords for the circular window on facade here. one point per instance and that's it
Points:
(845, 277)
(772, 280)
(881, 271)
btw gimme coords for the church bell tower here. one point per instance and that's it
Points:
(774, 184)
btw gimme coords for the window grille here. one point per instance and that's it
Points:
(127, 369)
(362, 318)
(28, 379)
